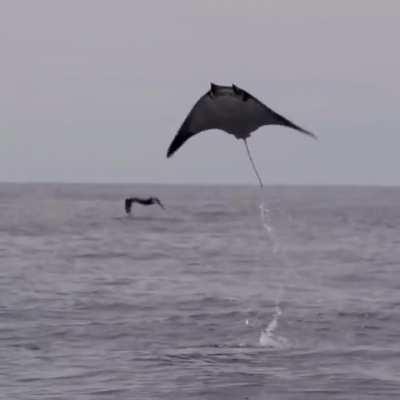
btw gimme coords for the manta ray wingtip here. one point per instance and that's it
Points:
(313, 135)
(169, 153)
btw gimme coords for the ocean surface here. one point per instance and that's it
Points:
(214, 298)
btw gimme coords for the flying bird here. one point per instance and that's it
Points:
(233, 110)
(145, 202)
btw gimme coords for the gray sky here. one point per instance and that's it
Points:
(94, 91)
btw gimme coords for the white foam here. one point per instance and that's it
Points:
(268, 338)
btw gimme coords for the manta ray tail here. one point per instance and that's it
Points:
(253, 164)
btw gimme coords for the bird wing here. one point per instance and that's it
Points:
(128, 205)
(157, 200)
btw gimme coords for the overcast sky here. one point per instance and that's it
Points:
(94, 91)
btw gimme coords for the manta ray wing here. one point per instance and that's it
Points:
(230, 109)
(220, 108)
(200, 118)
(273, 118)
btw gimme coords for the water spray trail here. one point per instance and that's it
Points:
(266, 338)
(265, 213)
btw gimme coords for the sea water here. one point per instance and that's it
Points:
(199, 301)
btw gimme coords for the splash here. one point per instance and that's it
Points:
(266, 221)
(268, 337)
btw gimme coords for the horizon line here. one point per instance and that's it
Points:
(274, 184)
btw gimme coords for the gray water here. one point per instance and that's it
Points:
(199, 301)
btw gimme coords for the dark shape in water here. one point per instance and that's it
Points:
(145, 202)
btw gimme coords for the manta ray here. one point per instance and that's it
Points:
(145, 202)
(232, 110)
